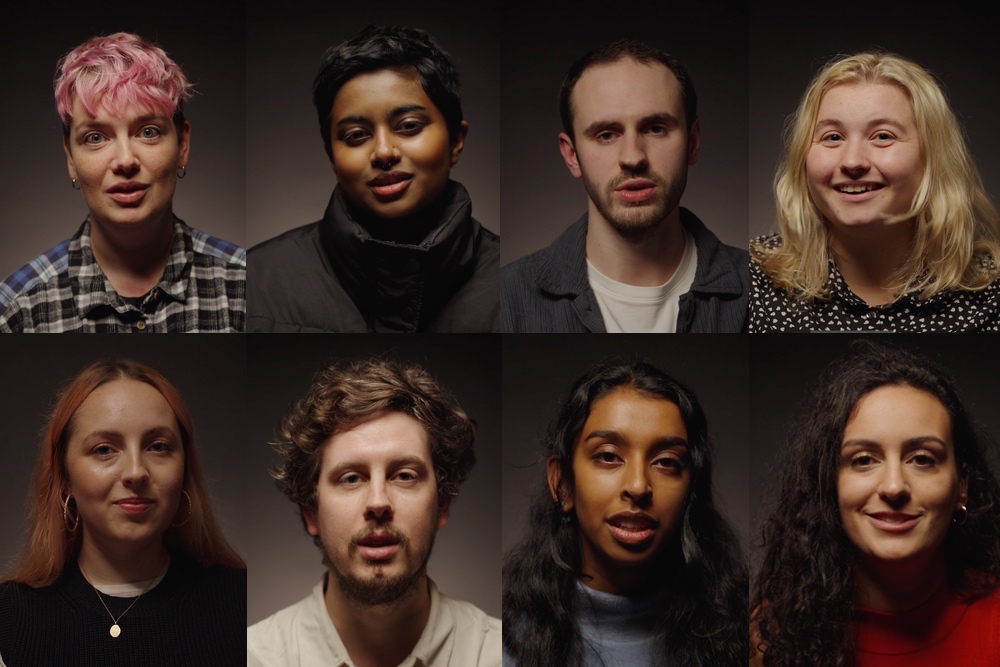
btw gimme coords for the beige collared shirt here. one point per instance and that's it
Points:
(457, 634)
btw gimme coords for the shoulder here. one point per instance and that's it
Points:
(764, 244)
(478, 636)
(290, 244)
(217, 249)
(38, 275)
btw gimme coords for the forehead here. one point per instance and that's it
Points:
(866, 101)
(625, 90)
(105, 116)
(897, 412)
(122, 403)
(641, 418)
(380, 91)
(387, 437)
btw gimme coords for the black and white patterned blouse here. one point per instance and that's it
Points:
(773, 309)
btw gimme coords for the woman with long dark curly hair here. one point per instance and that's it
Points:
(626, 559)
(883, 545)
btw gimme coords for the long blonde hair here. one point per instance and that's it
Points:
(51, 543)
(955, 243)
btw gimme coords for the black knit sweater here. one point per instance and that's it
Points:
(195, 616)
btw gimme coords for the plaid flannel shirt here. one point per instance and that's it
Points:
(202, 289)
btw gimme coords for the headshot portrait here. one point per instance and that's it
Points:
(408, 240)
(376, 501)
(137, 211)
(874, 173)
(648, 129)
(124, 518)
(624, 501)
(874, 491)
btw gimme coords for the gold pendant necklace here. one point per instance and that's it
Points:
(115, 628)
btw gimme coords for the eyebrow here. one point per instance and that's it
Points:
(909, 443)
(618, 438)
(114, 435)
(600, 125)
(398, 111)
(400, 462)
(826, 122)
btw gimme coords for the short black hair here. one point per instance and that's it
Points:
(619, 50)
(376, 48)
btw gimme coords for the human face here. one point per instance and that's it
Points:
(125, 462)
(126, 165)
(631, 474)
(864, 163)
(377, 508)
(632, 146)
(898, 485)
(391, 150)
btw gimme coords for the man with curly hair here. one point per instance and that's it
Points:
(373, 455)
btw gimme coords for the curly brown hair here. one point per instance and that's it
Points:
(345, 395)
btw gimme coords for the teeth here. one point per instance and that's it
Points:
(854, 189)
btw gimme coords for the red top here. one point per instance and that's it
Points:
(945, 630)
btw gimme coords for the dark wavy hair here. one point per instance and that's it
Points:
(803, 597)
(347, 394)
(704, 621)
(376, 48)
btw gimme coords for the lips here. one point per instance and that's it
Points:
(128, 193)
(632, 528)
(390, 183)
(635, 190)
(893, 522)
(378, 546)
(857, 189)
(135, 505)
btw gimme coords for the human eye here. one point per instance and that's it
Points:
(923, 459)
(832, 138)
(883, 138)
(605, 457)
(605, 137)
(658, 129)
(670, 463)
(150, 132)
(102, 450)
(410, 126)
(350, 479)
(93, 138)
(407, 476)
(862, 461)
(161, 446)
(354, 137)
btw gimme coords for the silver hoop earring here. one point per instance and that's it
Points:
(76, 521)
(190, 511)
(182, 171)
(73, 182)
(963, 512)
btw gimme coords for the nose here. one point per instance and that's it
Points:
(378, 506)
(136, 473)
(854, 161)
(635, 487)
(385, 153)
(633, 152)
(124, 161)
(893, 486)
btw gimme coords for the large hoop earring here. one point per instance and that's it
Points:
(190, 511)
(963, 512)
(76, 521)
(73, 182)
(182, 171)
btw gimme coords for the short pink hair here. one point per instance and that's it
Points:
(117, 71)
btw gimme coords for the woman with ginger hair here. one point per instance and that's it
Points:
(132, 266)
(884, 224)
(125, 562)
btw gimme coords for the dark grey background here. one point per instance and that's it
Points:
(539, 370)
(784, 370)
(955, 42)
(512, 57)
(209, 372)
(283, 562)
(40, 208)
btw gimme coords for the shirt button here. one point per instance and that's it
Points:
(140, 325)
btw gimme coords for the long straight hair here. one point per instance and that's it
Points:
(703, 620)
(51, 544)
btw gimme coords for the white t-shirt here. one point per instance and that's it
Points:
(634, 309)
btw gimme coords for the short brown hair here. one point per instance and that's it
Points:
(344, 395)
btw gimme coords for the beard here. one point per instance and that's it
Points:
(375, 588)
(636, 220)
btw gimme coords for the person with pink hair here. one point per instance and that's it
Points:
(132, 266)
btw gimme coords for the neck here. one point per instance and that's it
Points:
(364, 628)
(133, 257)
(897, 587)
(118, 564)
(870, 259)
(646, 258)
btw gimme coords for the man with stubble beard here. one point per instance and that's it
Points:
(636, 262)
(373, 456)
